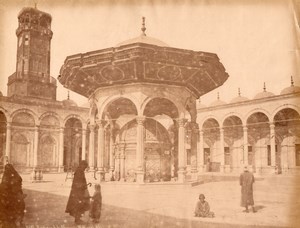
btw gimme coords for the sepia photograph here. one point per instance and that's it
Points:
(149, 113)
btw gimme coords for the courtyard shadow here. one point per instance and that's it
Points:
(45, 209)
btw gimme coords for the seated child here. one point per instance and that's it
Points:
(202, 208)
(96, 204)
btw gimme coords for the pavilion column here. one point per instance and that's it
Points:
(83, 151)
(200, 153)
(61, 150)
(222, 157)
(101, 148)
(35, 146)
(91, 146)
(122, 163)
(181, 150)
(194, 146)
(140, 149)
(273, 143)
(245, 146)
(111, 151)
(8, 142)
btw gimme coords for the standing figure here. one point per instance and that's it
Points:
(12, 198)
(246, 182)
(95, 211)
(79, 199)
(202, 208)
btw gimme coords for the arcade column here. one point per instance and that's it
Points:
(8, 141)
(140, 149)
(111, 154)
(273, 147)
(181, 151)
(61, 150)
(245, 146)
(222, 153)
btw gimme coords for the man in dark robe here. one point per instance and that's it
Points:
(79, 199)
(12, 204)
(246, 182)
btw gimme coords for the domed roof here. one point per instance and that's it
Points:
(218, 102)
(200, 105)
(263, 94)
(239, 98)
(143, 39)
(68, 102)
(291, 88)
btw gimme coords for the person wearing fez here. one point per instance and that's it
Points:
(202, 208)
(79, 199)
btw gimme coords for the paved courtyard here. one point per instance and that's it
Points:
(166, 205)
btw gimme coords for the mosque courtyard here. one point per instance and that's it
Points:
(166, 204)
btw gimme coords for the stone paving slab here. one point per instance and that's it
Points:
(173, 205)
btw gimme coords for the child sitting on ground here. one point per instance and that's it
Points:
(96, 204)
(202, 208)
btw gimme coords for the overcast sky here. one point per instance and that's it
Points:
(255, 40)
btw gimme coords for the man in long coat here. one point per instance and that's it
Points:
(79, 198)
(246, 182)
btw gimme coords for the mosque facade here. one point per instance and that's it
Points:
(144, 121)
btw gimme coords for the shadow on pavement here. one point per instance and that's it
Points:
(44, 209)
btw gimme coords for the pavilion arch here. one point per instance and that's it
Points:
(27, 111)
(257, 110)
(105, 105)
(20, 147)
(208, 118)
(232, 114)
(54, 115)
(179, 108)
(157, 106)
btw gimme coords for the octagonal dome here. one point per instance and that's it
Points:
(145, 40)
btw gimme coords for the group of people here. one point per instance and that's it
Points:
(202, 208)
(80, 200)
(12, 204)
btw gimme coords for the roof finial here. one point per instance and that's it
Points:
(218, 96)
(239, 92)
(143, 26)
(68, 94)
(35, 4)
(264, 87)
(292, 81)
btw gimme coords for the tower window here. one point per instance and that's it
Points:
(26, 39)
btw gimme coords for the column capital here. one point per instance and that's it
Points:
(83, 131)
(221, 130)
(101, 123)
(92, 127)
(181, 122)
(8, 124)
(245, 128)
(36, 127)
(140, 120)
(61, 130)
(272, 125)
(201, 132)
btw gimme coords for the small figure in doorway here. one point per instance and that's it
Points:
(246, 182)
(202, 208)
(96, 204)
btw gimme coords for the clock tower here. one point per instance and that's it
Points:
(32, 77)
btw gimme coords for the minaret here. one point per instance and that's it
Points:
(32, 77)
